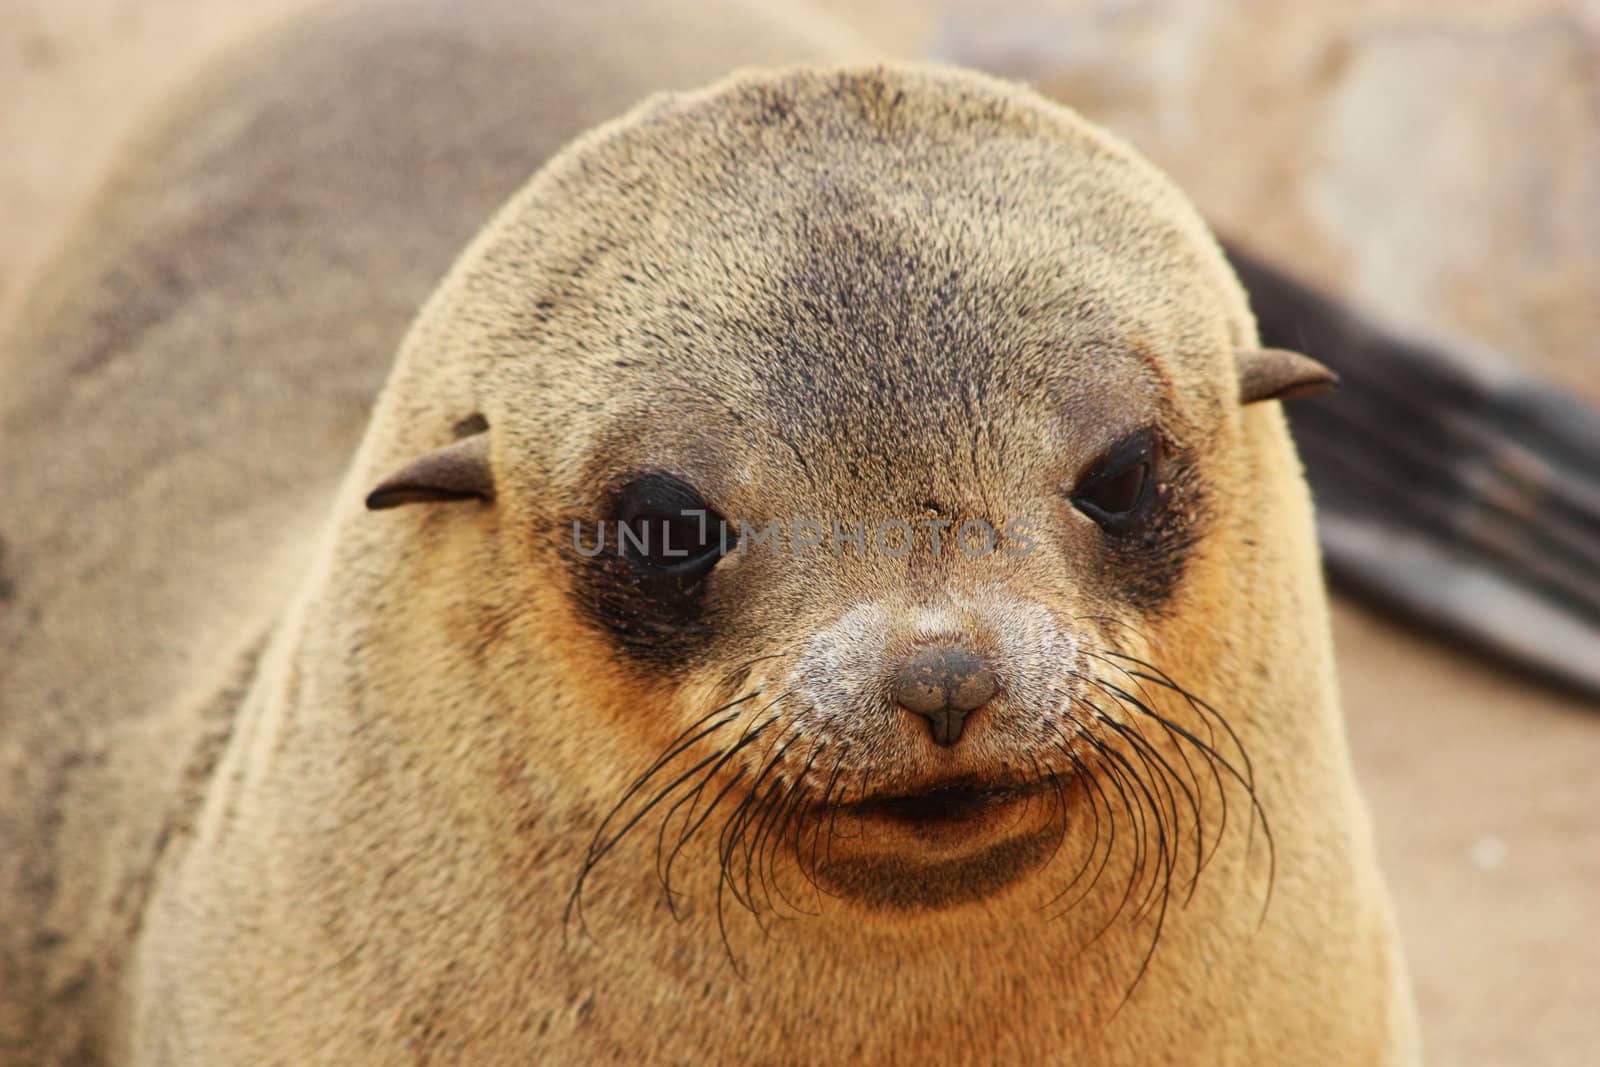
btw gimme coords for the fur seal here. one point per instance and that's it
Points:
(424, 779)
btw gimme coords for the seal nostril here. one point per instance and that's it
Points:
(944, 685)
(975, 690)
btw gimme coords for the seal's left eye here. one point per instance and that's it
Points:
(666, 528)
(1117, 490)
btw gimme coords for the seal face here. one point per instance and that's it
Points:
(894, 416)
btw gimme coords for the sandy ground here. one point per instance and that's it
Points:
(1485, 790)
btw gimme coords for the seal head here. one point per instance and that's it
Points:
(869, 430)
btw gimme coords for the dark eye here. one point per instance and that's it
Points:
(666, 529)
(1117, 490)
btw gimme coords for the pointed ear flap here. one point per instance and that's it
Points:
(1278, 374)
(454, 472)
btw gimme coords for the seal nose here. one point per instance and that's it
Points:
(944, 685)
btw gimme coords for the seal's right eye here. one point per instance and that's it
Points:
(1116, 493)
(666, 528)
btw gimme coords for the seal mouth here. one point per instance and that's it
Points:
(951, 802)
(948, 843)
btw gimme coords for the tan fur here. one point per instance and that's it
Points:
(364, 754)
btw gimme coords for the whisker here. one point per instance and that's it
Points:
(600, 844)
(596, 854)
(1168, 777)
(694, 828)
(1135, 827)
(764, 810)
(1163, 862)
(773, 828)
(832, 808)
(795, 803)
(1092, 784)
(1144, 704)
(1157, 676)
(692, 797)
(678, 745)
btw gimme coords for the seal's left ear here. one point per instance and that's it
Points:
(459, 471)
(1278, 374)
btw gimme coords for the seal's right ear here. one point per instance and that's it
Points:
(458, 471)
(1278, 374)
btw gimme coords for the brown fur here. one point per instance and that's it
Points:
(364, 754)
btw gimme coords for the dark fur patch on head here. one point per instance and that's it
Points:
(874, 345)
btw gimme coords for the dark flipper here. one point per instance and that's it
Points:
(1466, 497)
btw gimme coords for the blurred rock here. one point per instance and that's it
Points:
(1440, 166)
